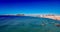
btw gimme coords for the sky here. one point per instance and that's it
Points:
(29, 6)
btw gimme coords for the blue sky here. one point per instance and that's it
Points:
(29, 6)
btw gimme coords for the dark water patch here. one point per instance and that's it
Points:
(3, 27)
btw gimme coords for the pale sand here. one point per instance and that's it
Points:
(53, 17)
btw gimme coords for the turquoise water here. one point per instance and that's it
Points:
(27, 24)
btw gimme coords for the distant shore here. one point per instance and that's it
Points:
(51, 16)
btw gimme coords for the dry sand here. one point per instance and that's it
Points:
(53, 17)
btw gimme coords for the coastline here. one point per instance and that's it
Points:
(51, 16)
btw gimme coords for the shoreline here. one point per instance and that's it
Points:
(51, 16)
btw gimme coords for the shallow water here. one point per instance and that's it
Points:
(27, 24)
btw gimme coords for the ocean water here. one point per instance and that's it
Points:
(28, 24)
